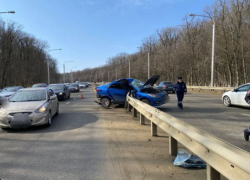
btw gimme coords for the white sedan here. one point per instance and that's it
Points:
(236, 96)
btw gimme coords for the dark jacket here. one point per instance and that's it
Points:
(180, 87)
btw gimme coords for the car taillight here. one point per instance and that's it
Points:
(97, 90)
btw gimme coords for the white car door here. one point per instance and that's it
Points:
(239, 95)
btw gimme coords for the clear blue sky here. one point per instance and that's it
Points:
(91, 31)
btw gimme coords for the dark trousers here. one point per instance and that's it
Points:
(180, 96)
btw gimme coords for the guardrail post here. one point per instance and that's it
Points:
(153, 129)
(212, 174)
(142, 119)
(172, 146)
(129, 107)
(134, 112)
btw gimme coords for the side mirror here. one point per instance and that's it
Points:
(235, 90)
(52, 97)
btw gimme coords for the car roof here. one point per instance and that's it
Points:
(32, 89)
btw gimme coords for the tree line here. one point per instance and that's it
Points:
(23, 58)
(185, 50)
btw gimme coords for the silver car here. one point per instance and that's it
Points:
(29, 107)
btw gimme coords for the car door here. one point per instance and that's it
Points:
(53, 102)
(243, 91)
(238, 95)
(118, 92)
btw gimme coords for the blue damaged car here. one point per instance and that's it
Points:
(116, 91)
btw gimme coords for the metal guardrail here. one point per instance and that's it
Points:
(221, 157)
(201, 88)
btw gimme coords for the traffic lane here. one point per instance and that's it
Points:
(74, 147)
(207, 112)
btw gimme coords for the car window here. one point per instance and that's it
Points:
(243, 88)
(22, 96)
(117, 86)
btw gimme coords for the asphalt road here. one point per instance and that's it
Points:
(207, 112)
(74, 147)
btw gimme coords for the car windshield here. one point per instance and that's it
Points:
(138, 84)
(9, 89)
(22, 96)
(39, 85)
(73, 85)
(56, 87)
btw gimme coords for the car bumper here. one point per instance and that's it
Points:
(74, 90)
(160, 101)
(23, 121)
(60, 96)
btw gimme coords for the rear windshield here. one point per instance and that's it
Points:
(23, 96)
(56, 87)
(9, 89)
(73, 85)
(39, 85)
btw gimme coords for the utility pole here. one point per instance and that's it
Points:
(108, 76)
(148, 65)
(129, 68)
(63, 73)
(116, 72)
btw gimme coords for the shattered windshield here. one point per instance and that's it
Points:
(138, 84)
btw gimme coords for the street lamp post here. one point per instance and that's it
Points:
(72, 74)
(64, 70)
(48, 64)
(213, 47)
(129, 68)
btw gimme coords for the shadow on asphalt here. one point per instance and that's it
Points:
(63, 122)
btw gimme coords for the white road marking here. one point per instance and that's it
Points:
(67, 102)
(246, 114)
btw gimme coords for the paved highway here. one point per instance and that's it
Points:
(74, 147)
(207, 112)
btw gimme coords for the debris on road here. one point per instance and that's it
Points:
(186, 160)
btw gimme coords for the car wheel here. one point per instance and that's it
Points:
(49, 120)
(105, 102)
(246, 137)
(226, 101)
(146, 101)
(57, 110)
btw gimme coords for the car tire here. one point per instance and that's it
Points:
(49, 120)
(5, 129)
(246, 137)
(64, 97)
(57, 110)
(146, 101)
(105, 102)
(173, 92)
(226, 101)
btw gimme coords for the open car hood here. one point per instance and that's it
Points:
(151, 81)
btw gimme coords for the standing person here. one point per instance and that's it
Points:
(180, 88)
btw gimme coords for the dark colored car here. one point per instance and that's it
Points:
(39, 85)
(116, 91)
(61, 90)
(167, 86)
(74, 87)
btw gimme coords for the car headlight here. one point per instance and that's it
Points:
(41, 109)
(3, 111)
(76, 88)
(154, 95)
(60, 93)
